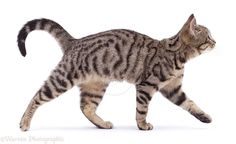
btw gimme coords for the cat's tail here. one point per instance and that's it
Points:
(56, 30)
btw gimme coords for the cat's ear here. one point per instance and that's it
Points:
(187, 30)
(192, 23)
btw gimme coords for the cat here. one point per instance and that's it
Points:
(92, 62)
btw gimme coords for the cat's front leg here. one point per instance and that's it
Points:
(173, 92)
(144, 93)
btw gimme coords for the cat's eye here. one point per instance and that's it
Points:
(197, 29)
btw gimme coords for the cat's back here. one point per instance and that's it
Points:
(117, 37)
(117, 53)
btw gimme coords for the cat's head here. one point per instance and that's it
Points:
(196, 36)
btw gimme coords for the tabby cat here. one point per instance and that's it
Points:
(92, 62)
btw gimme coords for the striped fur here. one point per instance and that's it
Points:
(52, 27)
(92, 62)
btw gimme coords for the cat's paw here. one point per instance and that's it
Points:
(108, 125)
(145, 126)
(203, 117)
(105, 125)
(24, 125)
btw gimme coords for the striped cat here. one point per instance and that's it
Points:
(92, 62)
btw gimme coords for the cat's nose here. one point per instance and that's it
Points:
(213, 41)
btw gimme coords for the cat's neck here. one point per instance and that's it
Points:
(182, 52)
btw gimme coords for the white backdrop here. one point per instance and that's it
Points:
(209, 79)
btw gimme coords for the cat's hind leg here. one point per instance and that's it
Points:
(91, 95)
(58, 82)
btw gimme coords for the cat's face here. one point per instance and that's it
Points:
(196, 36)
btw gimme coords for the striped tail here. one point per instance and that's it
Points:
(57, 31)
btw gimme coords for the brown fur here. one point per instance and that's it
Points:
(94, 61)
